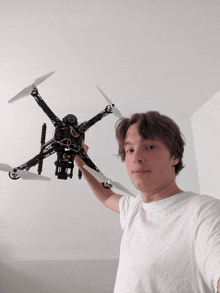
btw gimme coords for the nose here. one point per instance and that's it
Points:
(139, 157)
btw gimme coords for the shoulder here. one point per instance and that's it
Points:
(128, 206)
(199, 200)
(206, 209)
(130, 202)
(196, 206)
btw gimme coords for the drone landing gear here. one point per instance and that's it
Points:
(43, 136)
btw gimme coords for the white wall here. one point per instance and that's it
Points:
(146, 55)
(206, 134)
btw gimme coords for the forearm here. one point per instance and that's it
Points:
(218, 286)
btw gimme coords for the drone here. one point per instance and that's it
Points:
(66, 142)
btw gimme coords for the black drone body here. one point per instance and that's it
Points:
(66, 143)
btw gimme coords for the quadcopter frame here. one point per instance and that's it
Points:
(67, 142)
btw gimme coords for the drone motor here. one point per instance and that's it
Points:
(13, 175)
(70, 119)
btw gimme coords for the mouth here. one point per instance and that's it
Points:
(140, 171)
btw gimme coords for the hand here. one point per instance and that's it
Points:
(85, 147)
(79, 162)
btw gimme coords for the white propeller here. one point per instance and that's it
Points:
(101, 178)
(26, 175)
(116, 112)
(28, 90)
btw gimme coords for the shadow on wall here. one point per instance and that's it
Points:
(206, 134)
(58, 276)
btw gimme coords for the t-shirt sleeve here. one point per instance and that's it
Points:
(207, 243)
(126, 206)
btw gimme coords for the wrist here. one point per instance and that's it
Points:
(79, 162)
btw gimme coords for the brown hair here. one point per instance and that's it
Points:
(152, 125)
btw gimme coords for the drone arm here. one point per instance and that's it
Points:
(83, 155)
(87, 124)
(55, 120)
(35, 160)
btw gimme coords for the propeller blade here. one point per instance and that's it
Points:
(116, 112)
(39, 80)
(104, 95)
(122, 188)
(101, 178)
(25, 175)
(27, 91)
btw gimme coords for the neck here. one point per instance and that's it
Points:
(167, 191)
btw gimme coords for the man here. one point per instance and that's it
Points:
(171, 240)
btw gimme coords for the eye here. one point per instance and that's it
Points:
(129, 151)
(151, 147)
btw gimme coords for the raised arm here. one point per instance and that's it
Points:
(106, 196)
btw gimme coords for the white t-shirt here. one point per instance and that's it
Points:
(169, 246)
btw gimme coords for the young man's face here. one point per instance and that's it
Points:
(149, 163)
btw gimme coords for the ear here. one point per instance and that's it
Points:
(175, 160)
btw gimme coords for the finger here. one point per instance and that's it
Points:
(85, 147)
